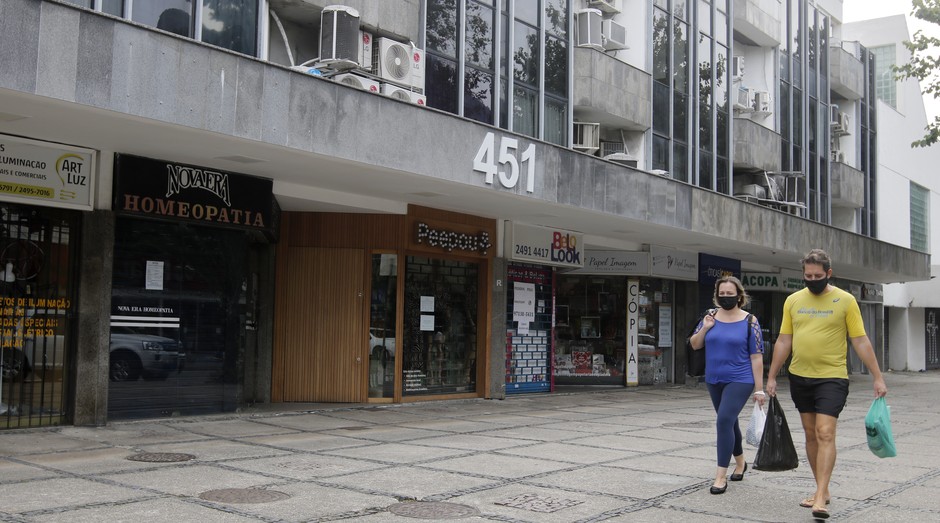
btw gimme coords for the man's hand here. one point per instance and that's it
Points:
(771, 385)
(880, 388)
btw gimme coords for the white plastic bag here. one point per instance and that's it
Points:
(755, 428)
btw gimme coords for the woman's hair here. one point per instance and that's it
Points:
(817, 257)
(743, 298)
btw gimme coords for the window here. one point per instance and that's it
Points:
(920, 218)
(885, 85)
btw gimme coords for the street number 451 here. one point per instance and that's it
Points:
(486, 161)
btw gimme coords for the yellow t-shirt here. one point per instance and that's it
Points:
(819, 325)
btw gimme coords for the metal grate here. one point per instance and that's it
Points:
(37, 287)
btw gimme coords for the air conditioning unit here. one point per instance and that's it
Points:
(737, 67)
(833, 115)
(339, 37)
(609, 148)
(589, 29)
(365, 51)
(844, 122)
(613, 35)
(417, 69)
(607, 6)
(762, 101)
(743, 100)
(398, 93)
(840, 157)
(359, 82)
(586, 137)
(392, 61)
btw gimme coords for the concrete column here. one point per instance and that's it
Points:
(497, 377)
(94, 314)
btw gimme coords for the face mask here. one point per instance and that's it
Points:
(727, 302)
(816, 286)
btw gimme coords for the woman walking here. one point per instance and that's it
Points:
(734, 371)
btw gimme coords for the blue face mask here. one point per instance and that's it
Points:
(816, 286)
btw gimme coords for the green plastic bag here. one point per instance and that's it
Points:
(878, 429)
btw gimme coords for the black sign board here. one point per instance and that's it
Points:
(181, 192)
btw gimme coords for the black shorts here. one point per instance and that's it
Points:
(820, 395)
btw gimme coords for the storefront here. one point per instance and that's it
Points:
(768, 292)
(189, 247)
(43, 189)
(422, 334)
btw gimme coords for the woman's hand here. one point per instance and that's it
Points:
(760, 397)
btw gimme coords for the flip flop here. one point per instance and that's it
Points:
(809, 502)
(820, 512)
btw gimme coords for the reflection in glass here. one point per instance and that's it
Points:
(479, 35)
(174, 16)
(525, 111)
(441, 83)
(556, 66)
(478, 95)
(556, 17)
(556, 122)
(442, 27)
(231, 24)
(382, 314)
(526, 54)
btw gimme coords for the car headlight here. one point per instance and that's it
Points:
(151, 345)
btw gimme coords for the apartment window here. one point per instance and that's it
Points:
(885, 85)
(920, 218)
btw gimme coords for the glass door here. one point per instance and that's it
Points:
(382, 318)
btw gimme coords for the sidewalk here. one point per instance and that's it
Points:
(633, 455)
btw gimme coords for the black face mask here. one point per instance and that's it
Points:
(727, 302)
(816, 286)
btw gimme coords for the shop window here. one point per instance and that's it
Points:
(590, 330)
(382, 313)
(439, 354)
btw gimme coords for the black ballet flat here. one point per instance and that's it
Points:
(718, 490)
(739, 477)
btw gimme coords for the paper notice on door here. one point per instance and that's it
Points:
(154, 276)
(427, 322)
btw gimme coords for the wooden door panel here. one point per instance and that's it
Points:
(321, 349)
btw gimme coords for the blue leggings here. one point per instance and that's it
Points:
(729, 400)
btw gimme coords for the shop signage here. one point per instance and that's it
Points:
(451, 240)
(47, 174)
(626, 263)
(711, 268)
(174, 191)
(633, 332)
(784, 281)
(544, 245)
(673, 264)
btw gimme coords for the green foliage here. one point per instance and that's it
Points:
(925, 60)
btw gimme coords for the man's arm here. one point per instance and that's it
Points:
(866, 353)
(782, 349)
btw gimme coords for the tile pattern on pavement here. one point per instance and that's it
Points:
(645, 454)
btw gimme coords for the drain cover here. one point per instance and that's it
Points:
(432, 510)
(537, 503)
(161, 457)
(243, 495)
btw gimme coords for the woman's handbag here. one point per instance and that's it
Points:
(878, 429)
(755, 427)
(776, 451)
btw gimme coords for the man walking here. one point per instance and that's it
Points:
(816, 321)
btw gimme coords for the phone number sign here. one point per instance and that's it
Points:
(544, 245)
(42, 173)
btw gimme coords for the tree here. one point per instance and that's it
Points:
(924, 62)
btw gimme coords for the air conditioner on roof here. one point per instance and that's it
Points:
(589, 29)
(737, 67)
(339, 37)
(417, 69)
(762, 102)
(613, 35)
(608, 148)
(357, 81)
(365, 51)
(844, 122)
(833, 115)
(743, 100)
(586, 137)
(398, 93)
(607, 6)
(392, 61)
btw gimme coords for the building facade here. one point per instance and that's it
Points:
(213, 204)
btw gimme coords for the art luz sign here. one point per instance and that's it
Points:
(41, 173)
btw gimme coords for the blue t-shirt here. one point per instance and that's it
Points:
(727, 354)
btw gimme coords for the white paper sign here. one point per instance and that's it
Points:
(427, 322)
(665, 326)
(427, 304)
(154, 276)
(523, 303)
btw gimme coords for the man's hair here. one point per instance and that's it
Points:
(817, 257)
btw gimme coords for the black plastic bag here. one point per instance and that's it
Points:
(776, 451)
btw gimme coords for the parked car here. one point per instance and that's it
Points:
(40, 345)
(381, 344)
(135, 355)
